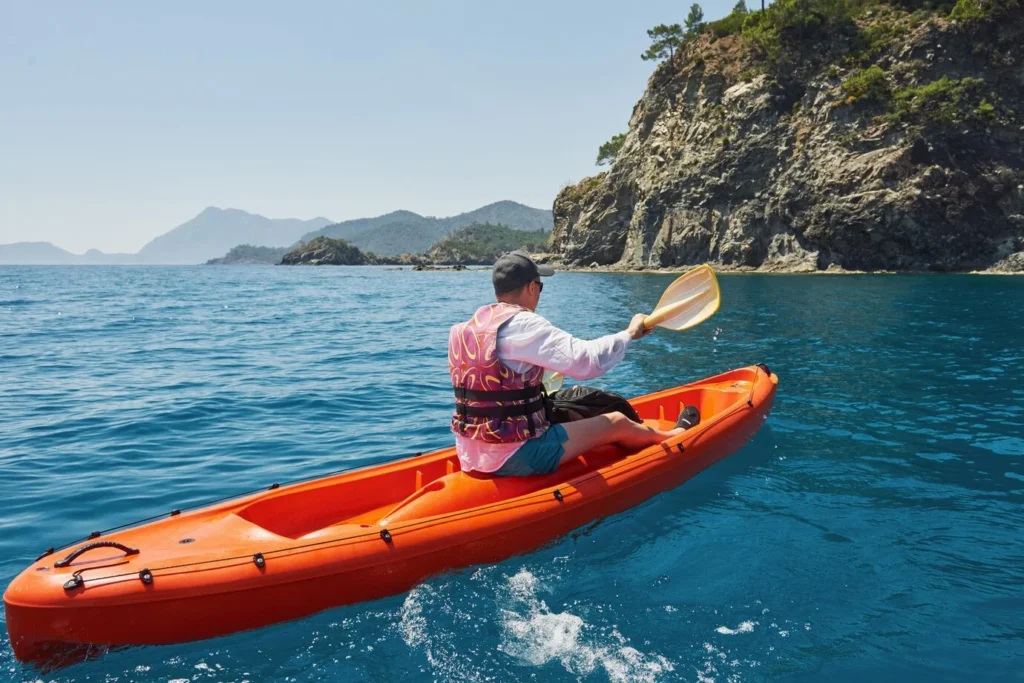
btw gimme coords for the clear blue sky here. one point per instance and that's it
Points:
(121, 120)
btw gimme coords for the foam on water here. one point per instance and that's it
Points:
(536, 635)
(531, 634)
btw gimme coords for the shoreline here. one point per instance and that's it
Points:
(748, 270)
(718, 268)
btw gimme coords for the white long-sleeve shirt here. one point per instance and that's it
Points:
(529, 340)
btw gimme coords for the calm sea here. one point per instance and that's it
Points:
(871, 531)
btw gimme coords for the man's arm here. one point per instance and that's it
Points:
(529, 338)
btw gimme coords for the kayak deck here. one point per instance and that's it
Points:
(294, 550)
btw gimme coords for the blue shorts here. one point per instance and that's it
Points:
(536, 456)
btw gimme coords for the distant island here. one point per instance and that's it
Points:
(406, 232)
(475, 244)
(247, 254)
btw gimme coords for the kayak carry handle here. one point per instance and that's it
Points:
(75, 554)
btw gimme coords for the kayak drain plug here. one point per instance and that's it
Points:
(386, 535)
(258, 559)
(146, 577)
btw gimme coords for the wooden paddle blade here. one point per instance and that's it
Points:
(690, 300)
(553, 381)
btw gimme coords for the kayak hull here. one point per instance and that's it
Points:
(292, 551)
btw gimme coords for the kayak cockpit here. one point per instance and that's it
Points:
(300, 511)
(425, 487)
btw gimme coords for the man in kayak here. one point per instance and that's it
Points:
(497, 361)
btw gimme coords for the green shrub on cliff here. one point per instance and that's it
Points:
(813, 32)
(887, 25)
(583, 188)
(867, 84)
(731, 24)
(789, 28)
(967, 11)
(945, 101)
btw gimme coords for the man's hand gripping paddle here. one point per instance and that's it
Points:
(690, 300)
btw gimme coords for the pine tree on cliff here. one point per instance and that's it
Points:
(694, 20)
(740, 7)
(665, 38)
(607, 153)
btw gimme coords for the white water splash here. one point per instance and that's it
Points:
(535, 635)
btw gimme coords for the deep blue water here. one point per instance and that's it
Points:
(871, 531)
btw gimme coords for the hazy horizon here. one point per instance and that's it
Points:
(123, 121)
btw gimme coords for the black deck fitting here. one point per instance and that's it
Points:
(386, 535)
(258, 559)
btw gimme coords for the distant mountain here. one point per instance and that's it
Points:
(214, 231)
(35, 253)
(95, 257)
(209, 235)
(407, 232)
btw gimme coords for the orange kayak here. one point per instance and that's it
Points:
(294, 550)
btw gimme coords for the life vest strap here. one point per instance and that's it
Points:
(525, 394)
(503, 411)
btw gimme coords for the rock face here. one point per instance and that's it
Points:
(324, 251)
(800, 171)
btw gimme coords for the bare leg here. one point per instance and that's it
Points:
(587, 434)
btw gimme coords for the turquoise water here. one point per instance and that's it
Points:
(871, 531)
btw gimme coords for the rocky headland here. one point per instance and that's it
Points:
(325, 251)
(820, 135)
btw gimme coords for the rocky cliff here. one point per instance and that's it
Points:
(878, 140)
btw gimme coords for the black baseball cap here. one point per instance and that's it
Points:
(515, 269)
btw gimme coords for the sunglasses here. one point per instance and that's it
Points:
(540, 286)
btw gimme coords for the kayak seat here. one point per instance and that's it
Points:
(465, 490)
